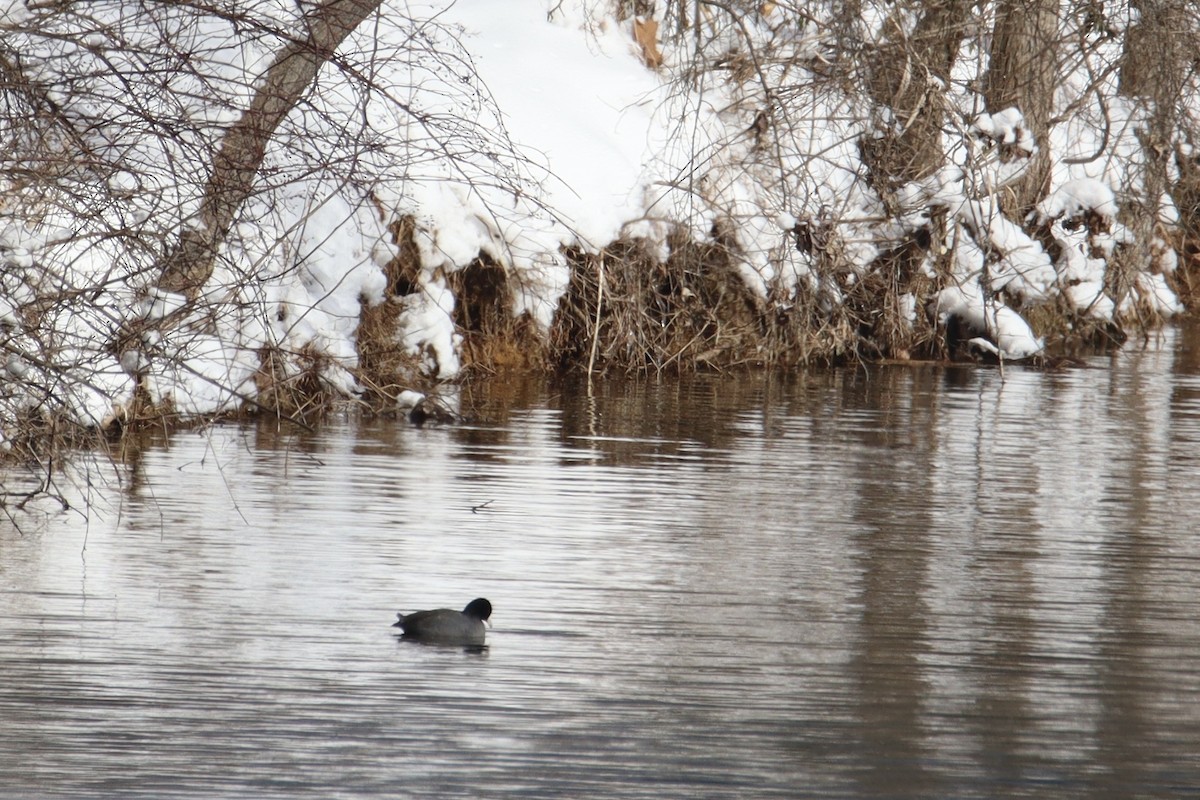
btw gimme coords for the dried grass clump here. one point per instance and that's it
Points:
(887, 306)
(403, 272)
(493, 339)
(35, 433)
(294, 385)
(1122, 281)
(626, 310)
(1185, 280)
(385, 367)
(40, 433)
(1069, 331)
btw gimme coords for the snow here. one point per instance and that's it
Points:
(428, 328)
(537, 127)
(1154, 295)
(408, 399)
(580, 105)
(8, 314)
(1075, 197)
(1018, 264)
(13, 12)
(159, 303)
(998, 328)
(1005, 127)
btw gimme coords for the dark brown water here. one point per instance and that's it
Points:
(908, 582)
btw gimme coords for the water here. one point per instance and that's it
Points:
(905, 582)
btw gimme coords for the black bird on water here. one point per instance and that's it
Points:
(447, 626)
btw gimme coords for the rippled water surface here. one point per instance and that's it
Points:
(899, 582)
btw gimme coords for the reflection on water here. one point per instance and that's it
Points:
(917, 582)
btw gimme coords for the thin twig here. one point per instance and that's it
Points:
(596, 323)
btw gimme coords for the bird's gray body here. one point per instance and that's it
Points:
(447, 626)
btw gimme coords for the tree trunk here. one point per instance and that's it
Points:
(1154, 68)
(1160, 51)
(189, 265)
(1023, 72)
(909, 75)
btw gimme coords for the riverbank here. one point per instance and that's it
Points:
(603, 188)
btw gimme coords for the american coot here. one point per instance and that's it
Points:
(447, 626)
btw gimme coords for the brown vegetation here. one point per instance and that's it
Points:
(384, 368)
(627, 311)
(493, 339)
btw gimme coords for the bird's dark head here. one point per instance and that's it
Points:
(478, 608)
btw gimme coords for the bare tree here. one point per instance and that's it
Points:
(1023, 73)
(236, 164)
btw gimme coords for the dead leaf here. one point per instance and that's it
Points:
(645, 33)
